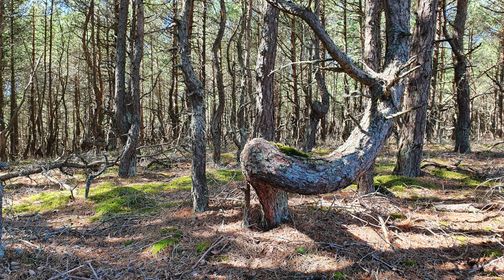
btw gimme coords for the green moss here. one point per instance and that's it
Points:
(128, 242)
(397, 216)
(228, 158)
(457, 176)
(172, 231)
(409, 263)
(444, 223)
(42, 202)
(398, 183)
(338, 275)
(202, 246)
(461, 239)
(162, 245)
(301, 250)
(121, 200)
(493, 253)
(291, 151)
(384, 168)
(180, 183)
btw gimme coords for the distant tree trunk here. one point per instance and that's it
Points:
(32, 143)
(14, 133)
(295, 119)
(318, 109)
(461, 80)
(127, 164)
(3, 140)
(196, 96)
(265, 118)
(216, 124)
(372, 57)
(268, 170)
(121, 119)
(412, 132)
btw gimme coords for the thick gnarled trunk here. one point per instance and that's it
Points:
(266, 167)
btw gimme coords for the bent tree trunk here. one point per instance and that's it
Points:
(267, 169)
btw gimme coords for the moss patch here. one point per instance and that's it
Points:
(493, 253)
(399, 184)
(301, 250)
(338, 275)
(42, 202)
(202, 246)
(320, 151)
(162, 245)
(384, 168)
(291, 151)
(457, 176)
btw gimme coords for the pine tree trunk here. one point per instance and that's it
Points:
(412, 133)
(266, 167)
(196, 97)
(216, 124)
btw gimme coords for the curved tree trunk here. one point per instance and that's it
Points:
(216, 125)
(268, 170)
(412, 134)
(196, 97)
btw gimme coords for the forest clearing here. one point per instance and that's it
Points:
(251, 139)
(443, 225)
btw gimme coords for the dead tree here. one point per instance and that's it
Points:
(269, 170)
(196, 97)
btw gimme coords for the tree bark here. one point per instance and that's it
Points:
(216, 124)
(14, 132)
(196, 96)
(461, 80)
(265, 119)
(412, 133)
(127, 163)
(318, 109)
(266, 167)
(372, 57)
(121, 120)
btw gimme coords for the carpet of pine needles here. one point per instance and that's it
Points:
(333, 236)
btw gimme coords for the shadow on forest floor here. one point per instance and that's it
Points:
(144, 228)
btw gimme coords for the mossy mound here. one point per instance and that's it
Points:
(291, 151)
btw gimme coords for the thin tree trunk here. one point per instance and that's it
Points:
(372, 57)
(14, 133)
(121, 120)
(412, 133)
(461, 80)
(127, 163)
(196, 97)
(216, 124)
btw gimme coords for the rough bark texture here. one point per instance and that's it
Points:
(216, 125)
(372, 56)
(318, 109)
(127, 164)
(121, 120)
(463, 124)
(195, 95)
(265, 119)
(266, 167)
(412, 133)
(277, 200)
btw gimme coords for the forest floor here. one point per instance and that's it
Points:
(443, 225)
